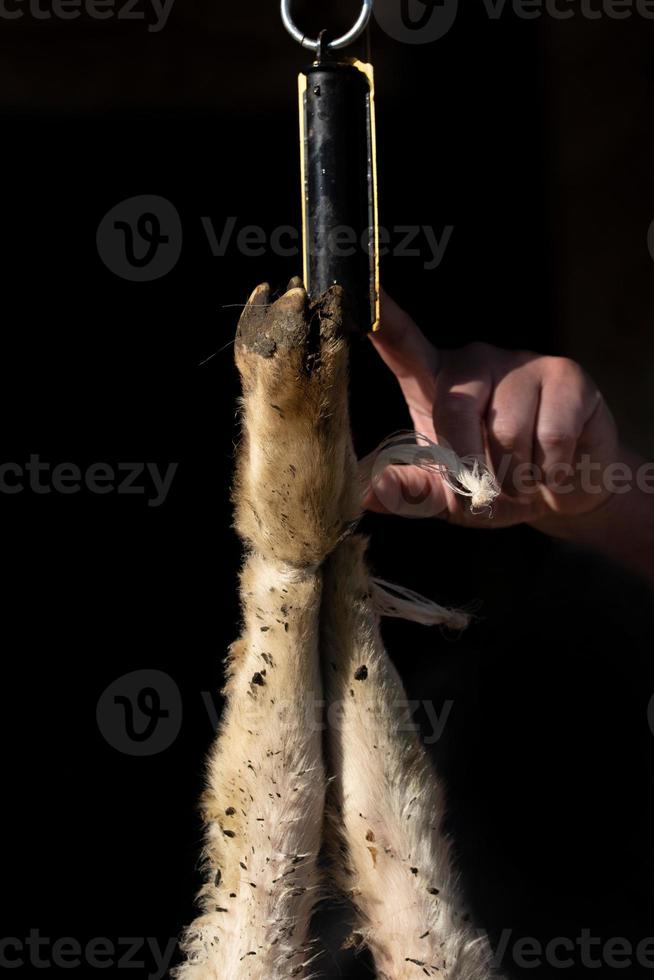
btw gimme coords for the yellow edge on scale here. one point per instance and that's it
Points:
(369, 72)
(302, 88)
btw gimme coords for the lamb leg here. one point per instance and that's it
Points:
(264, 801)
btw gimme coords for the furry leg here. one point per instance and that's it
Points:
(264, 802)
(387, 800)
(263, 807)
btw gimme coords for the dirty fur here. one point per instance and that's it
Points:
(264, 803)
(311, 634)
(386, 801)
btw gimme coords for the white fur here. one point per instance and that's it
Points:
(388, 801)
(310, 620)
(267, 768)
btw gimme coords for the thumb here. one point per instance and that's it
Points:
(407, 491)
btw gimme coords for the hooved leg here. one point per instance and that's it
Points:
(386, 800)
(264, 802)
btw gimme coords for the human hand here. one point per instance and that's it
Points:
(538, 422)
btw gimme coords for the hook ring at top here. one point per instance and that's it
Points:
(340, 42)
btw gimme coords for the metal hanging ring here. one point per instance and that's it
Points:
(340, 42)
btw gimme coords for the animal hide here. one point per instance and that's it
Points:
(310, 653)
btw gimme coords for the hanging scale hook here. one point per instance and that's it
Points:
(340, 42)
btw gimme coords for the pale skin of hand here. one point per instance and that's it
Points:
(513, 410)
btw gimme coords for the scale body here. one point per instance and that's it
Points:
(339, 185)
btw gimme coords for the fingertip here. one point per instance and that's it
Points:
(402, 345)
(394, 322)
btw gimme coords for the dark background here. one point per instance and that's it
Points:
(534, 140)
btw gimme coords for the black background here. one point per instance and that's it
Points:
(533, 140)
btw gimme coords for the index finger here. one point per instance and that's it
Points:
(404, 348)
